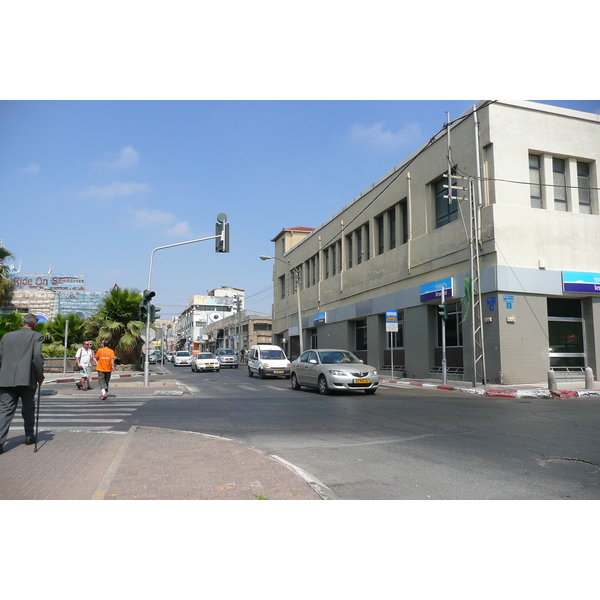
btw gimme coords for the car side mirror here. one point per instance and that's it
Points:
(312, 361)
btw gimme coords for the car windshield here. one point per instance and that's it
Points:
(226, 351)
(336, 357)
(272, 354)
(206, 355)
(182, 354)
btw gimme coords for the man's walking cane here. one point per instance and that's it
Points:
(37, 416)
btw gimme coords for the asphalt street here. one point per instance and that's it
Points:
(398, 444)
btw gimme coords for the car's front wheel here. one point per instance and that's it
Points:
(323, 387)
(295, 385)
(250, 372)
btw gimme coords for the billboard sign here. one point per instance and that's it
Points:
(433, 290)
(581, 282)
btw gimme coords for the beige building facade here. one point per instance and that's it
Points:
(514, 246)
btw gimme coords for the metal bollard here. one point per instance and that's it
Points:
(552, 380)
(589, 378)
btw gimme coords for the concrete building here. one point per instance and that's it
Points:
(237, 331)
(514, 247)
(202, 310)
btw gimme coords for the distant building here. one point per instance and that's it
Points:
(237, 332)
(47, 295)
(202, 310)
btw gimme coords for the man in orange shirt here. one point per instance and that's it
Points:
(105, 366)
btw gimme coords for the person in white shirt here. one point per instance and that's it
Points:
(84, 359)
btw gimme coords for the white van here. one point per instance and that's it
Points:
(266, 359)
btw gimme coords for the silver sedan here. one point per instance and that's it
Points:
(329, 370)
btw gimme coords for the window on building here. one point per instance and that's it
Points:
(307, 273)
(367, 242)
(535, 181)
(326, 259)
(360, 335)
(404, 218)
(380, 234)
(566, 333)
(392, 227)
(583, 187)
(315, 266)
(282, 286)
(359, 246)
(349, 249)
(453, 326)
(446, 211)
(334, 259)
(559, 180)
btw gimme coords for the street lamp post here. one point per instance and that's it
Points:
(296, 274)
(222, 218)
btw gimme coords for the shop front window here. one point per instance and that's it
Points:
(566, 333)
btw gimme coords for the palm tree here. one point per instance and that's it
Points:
(10, 322)
(6, 284)
(118, 322)
(54, 333)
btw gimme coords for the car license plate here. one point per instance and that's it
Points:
(362, 381)
(277, 371)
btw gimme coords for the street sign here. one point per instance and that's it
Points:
(151, 335)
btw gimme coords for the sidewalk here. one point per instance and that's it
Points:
(566, 389)
(145, 463)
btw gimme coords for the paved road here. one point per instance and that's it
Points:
(398, 444)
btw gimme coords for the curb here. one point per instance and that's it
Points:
(506, 393)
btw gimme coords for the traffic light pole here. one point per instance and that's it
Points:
(147, 341)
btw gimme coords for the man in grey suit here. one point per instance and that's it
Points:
(21, 370)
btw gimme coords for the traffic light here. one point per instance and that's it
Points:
(154, 313)
(222, 230)
(143, 312)
(443, 310)
(148, 295)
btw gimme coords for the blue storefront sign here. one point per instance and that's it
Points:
(581, 282)
(320, 318)
(433, 290)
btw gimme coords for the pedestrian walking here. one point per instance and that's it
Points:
(105, 365)
(21, 371)
(84, 359)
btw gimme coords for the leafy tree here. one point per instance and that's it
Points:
(118, 322)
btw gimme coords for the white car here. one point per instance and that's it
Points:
(182, 358)
(205, 361)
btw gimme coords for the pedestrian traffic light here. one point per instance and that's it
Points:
(222, 230)
(154, 313)
(443, 310)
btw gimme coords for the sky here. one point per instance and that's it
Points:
(92, 187)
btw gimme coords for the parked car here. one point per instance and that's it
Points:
(227, 358)
(181, 358)
(154, 358)
(205, 361)
(267, 359)
(334, 369)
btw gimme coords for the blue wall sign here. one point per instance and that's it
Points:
(433, 290)
(320, 318)
(581, 281)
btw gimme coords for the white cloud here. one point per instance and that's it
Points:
(149, 217)
(30, 168)
(115, 189)
(375, 136)
(180, 229)
(127, 157)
